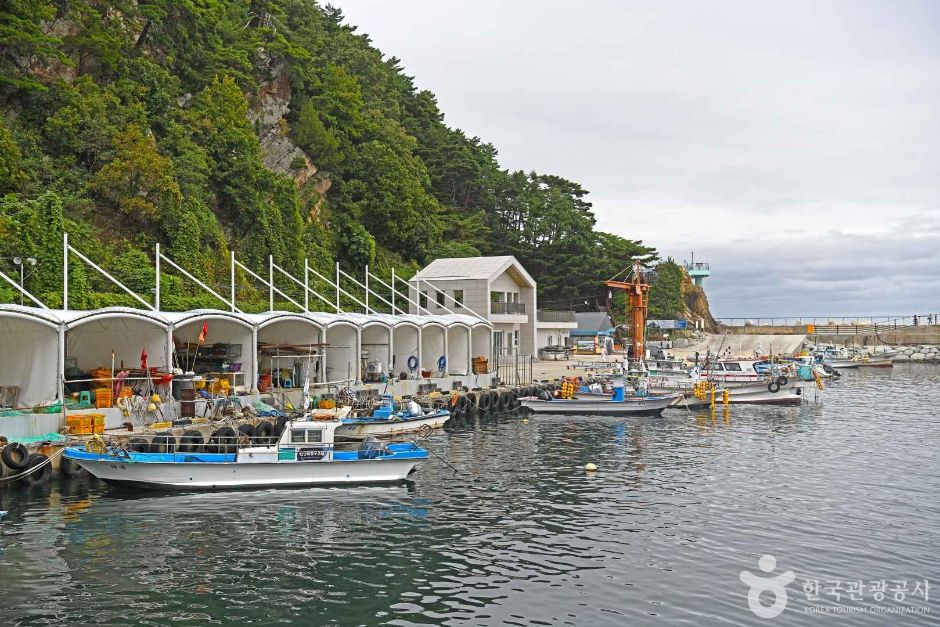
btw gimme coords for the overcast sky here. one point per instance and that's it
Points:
(793, 145)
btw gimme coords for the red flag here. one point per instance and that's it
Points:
(143, 359)
(204, 333)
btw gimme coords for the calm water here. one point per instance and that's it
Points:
(843, 489)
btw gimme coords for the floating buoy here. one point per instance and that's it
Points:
(155, 398)
(152, 407)
(525, 421)
(590, 467)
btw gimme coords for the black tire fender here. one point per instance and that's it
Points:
(15, 456)
(774, 387)
(139, 445)
(71, 468)
(191, 442)
(40, 475)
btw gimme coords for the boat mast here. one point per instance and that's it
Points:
(637, 301)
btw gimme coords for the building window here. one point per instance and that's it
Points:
(515, 339)
(423, 300)
(551, 340)
(496, 297)
(440, 299)
(458, 297)
(497, 339)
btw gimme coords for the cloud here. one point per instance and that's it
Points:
(794, 146)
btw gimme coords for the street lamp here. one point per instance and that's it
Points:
(22, 263)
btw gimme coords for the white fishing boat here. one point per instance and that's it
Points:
(780, 391)
(305, 455)
(617, 404)
(883, 359)
(387, 421)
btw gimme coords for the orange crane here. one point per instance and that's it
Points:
(638, 297)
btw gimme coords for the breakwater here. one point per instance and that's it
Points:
(926, 353)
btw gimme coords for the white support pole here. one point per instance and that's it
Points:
(419, 351)
(469, 368)
(326, 354)
(329, 282)
(110, 278)
(232, 278)
(169, 352)
(358, 355)
(21, 290)
(337, 287)
(391, 350)
(446, 356)
(306, 285)
(367, 289)
(65, 271)
(156, 293)
(60, 366)
(393, 290)
(189, 276)
(407, 298)
(360, 284)
(253, 364)
(270, 282)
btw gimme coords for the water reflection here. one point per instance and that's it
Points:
(521, 534)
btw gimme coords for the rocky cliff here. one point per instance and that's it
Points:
(696, 303)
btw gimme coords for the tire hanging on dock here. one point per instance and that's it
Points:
(223, 440)
(484, 402)
(40, 475)
(70, 468)
(15, 456)
(774, 387)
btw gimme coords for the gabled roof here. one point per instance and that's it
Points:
(488, 268)
(594, 321)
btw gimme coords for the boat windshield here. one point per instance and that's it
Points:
(306, 436)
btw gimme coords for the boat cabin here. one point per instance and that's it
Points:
(301, 441)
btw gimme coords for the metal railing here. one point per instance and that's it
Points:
(512, 367)
(894, 321)
(552, 315)
(507, 308)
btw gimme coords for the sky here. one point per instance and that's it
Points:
(794, 146)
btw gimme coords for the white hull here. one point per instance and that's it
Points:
(633, 406)
(390, 427)
(185, 476)
(844, 363)
(757, 393)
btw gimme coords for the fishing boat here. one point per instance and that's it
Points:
(617, 404)
(779, 391)
(305, 455)
(387, 421)
(883, 359)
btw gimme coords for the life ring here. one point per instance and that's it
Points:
(40, 475)
(70, 468)
(441, 363)
(412, 363)
(191, 442)
(15, 456)
(782, 380)
(774, 387)
(485, 402)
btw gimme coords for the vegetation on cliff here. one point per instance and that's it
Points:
(263, 127)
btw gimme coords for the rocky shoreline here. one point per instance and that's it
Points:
(926, 353)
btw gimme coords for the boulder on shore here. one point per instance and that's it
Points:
(918, 357)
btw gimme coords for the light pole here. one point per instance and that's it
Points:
(22, 263)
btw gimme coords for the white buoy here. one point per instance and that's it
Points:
(590, 467)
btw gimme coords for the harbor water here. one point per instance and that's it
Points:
(838, 491)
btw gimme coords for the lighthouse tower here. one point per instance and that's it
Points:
(698, 271)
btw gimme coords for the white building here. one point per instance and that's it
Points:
(497, 289)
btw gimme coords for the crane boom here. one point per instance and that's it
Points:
(637, 302)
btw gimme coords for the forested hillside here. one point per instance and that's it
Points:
(259, 127)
